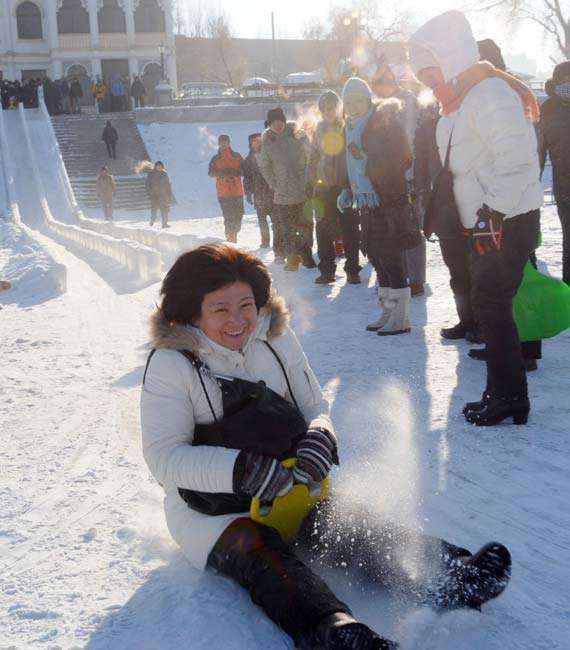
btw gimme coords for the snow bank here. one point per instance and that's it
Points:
(138, 258)
(54, 268)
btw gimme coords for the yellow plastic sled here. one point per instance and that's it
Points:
(287, 513)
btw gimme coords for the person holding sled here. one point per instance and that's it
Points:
(227, 394)
(487, 145)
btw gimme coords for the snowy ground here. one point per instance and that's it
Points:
(85, 558)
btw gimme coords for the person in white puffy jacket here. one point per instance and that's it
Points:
(487, 124)
(227, 393)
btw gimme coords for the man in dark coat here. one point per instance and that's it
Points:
(555, 141)
(138, 92)
(257, 191)
(110, 137)
(76, 93)
(159, 192)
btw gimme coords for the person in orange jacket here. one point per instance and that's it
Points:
(227, 168)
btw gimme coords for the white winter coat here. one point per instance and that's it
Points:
(173, 400)
(494, 156)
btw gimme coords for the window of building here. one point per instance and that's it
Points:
(72, 18)
(149, 17)
(111, 18)
(29, 21)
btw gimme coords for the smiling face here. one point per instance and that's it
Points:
(355, 106)
(229, 315)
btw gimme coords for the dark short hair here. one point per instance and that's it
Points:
(224, 136)
(206, 269)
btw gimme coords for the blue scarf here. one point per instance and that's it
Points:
(361, 186)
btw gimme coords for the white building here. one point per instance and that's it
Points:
(86, 38)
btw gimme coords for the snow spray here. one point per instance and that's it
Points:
(383, 477)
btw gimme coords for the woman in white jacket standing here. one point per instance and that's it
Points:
(227, 394)
(486, 133)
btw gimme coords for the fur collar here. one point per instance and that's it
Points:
(291, 129)
(272, 322)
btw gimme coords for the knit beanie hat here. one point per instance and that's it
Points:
(329, 99)
(356, 86)
(251, 137)
(276, 114)
(561, 70)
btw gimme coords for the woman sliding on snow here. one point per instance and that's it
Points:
(228, 393)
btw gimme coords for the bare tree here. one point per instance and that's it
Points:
(553, 16)
(178, 17)
(315, 30)
(197, 19)
(218, 28)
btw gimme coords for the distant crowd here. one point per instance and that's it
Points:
(66, 95)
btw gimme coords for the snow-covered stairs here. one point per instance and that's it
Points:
(84, 153)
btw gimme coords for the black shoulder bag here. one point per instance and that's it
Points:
(442, 214)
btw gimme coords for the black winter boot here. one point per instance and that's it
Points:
(497, 409)
(476, 406)
(472, 581)
(340, 631)
(456, 332)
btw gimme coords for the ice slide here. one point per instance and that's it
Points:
(44, 199)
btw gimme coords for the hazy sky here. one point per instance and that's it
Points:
(252, 19)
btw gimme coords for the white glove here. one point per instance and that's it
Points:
(344, 200)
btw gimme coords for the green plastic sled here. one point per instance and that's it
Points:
(542, 306)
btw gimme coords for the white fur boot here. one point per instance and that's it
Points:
(399, 321)
(386, 305)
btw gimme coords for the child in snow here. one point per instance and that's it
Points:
(257, 191)
(220, 333)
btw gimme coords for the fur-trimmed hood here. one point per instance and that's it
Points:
(271, 322)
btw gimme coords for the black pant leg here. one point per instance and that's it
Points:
(496, 278)
(278, 218)
(564, 214)
(288, 591)
(327, 217)
(350, 228)
(401, 560)
(109, 150)
(455, 253)
(262, 214)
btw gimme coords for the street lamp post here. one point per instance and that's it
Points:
(161, 50)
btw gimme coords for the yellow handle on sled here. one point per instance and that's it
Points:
(287, 513)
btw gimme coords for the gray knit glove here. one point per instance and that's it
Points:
(316, 453)
(260, 476)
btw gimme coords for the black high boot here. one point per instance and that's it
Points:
(497, 409)
(466, 321)
(474, 580)
(340, 631)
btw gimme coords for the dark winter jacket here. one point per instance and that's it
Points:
(327, 152)
(427, 162)
(554, 130)
(137, 88)
(389, 154)
(254, 183)
(109, 135)
(158, 187)
(227, 168)
(75, 89)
